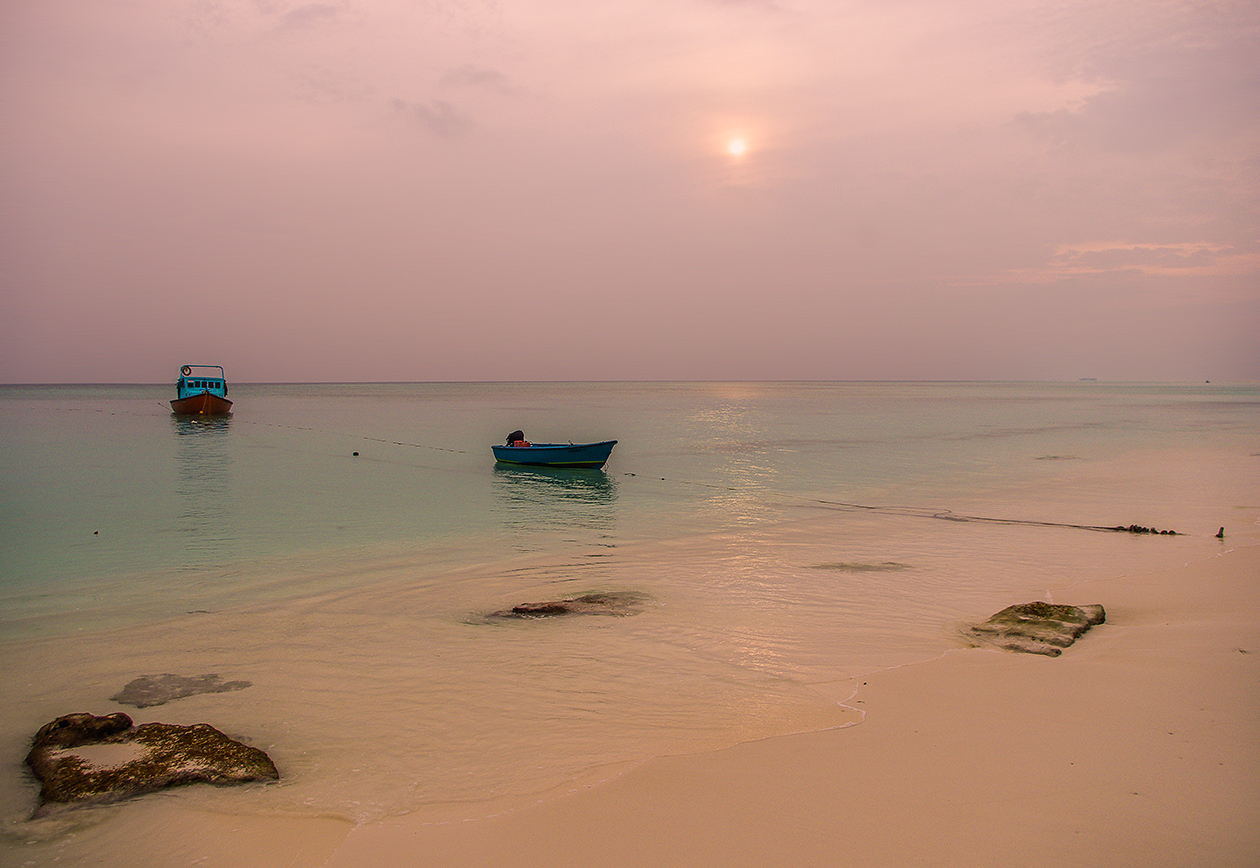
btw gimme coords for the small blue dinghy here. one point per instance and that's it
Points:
(518, 450)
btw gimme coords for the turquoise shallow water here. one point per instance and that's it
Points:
(783, 538)
(100, 482)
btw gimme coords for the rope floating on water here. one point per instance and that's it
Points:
(353, 436)
(944, 515)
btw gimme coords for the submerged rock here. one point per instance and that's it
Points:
(85, 759)
(615, 603)
(849, 567)
(150, 690)
(1036, 628)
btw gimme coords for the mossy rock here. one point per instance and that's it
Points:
(85, 759)
(1036, 628)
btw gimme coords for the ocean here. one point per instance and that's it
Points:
(342, 548)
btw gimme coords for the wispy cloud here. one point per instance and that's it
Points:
(472, 76)
(1192, 258)
(309, 15)
(1128, 260)
(1158, 101)
(438, 117)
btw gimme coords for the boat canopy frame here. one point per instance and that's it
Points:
(206, 382)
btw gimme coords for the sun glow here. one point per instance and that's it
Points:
(737, 147)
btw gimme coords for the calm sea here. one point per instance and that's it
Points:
(339, 547)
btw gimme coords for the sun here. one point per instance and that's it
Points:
(737, 147)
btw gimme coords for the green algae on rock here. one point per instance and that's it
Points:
(85, 759)
(1036, 628)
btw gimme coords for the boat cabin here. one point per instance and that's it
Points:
(192, 383)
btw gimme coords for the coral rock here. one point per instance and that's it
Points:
(1036, 628)
(81, 758)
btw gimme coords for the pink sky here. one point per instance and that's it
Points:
(421, 190)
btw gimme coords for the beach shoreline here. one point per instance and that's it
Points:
(1138, 746)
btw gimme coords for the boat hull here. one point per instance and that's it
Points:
(204, 404)
(585, 455)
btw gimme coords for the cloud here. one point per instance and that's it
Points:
(472, 76)
(308, 15)
(1160, 101)
(1201, 258)
(768, 5)
(1125, 261)
(438, 117)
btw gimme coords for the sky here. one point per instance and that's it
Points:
(437, 190)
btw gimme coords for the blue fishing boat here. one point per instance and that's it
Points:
(198, 393)
(518, 450)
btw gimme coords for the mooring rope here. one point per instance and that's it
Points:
(927, 512)
(356, 436)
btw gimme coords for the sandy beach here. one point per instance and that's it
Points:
(1139, 746)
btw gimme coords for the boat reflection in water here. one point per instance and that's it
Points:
(204, 486)
(555, 498)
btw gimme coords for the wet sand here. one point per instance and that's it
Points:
(1139, 746)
